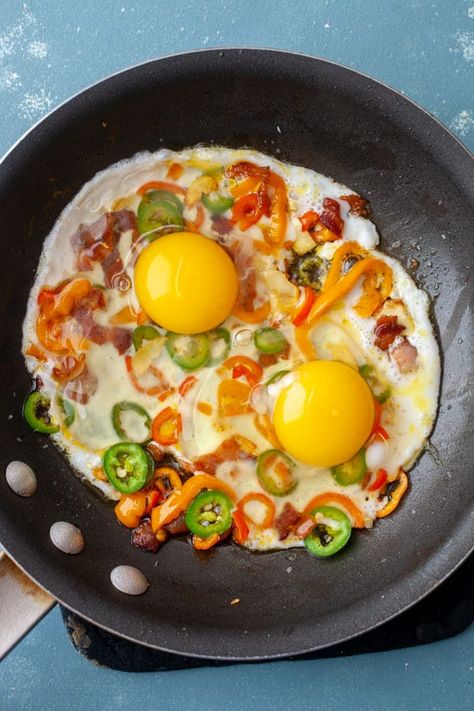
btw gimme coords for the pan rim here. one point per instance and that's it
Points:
(369, 624)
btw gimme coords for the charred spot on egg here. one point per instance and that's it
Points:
(230, 314)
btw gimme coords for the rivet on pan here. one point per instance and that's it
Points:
(21, 478)
(129, 580)
(67, 537)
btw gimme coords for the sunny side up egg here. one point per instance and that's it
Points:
(230, 315)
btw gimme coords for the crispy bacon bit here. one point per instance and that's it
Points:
(405, 355)
(178, 526)
(99, 242)
(120, 337)
(81, 388)
(220, 224)
(358, 205)
(156, 451)
(304, 527)
(331, 216)
(231, 450)
(288, 518)
(144, 538)
(386, 330)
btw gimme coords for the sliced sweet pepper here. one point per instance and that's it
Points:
(332, 497)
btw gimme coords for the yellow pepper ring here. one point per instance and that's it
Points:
(395, 496)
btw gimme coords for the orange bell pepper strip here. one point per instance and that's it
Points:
(63, 303)
(256, 316)
(35, 352)
(304, 308)
(166, 427)
(131, 508)
(175, 171)
(329, 296)
(153, 390)
(375, 293)
(246, 186)
(337, 260)
(179, 500)
(161, 185)
(233, 398)
(70, 368)
(125, 315)
(186, 385)
(50, 335)
(194, 225)
(269, 516)
(395, 495)
(344, 501)
(240, 530)
(167, 480)
(242, 365)
(278, 210)
(246, 211)
(203, 544)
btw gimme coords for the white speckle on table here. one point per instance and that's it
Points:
(35, 104)
(129, 580)
(38, 49)
(21, 478)
(463, 122)
(465, 44)
(9, 79)
(470, 12)
(67, 537)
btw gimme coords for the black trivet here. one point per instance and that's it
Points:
(444, 613)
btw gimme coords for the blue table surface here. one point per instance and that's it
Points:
(49, 50)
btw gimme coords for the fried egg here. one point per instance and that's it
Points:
(222, 272)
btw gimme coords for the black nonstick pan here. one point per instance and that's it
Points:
(419, 181)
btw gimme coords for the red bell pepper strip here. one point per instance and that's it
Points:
(305, 306)
(380, 480)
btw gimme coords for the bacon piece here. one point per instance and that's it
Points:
(247, 276)
(331, 216)
(178, 526)
(386, 330)
(358, 205)
(144, 538)
(99, 242)
(267, 359)
(288, 518)
(230, 450)
(304, 527)
(405, 355)
(120, 337)
(81, 388)
(222, 225)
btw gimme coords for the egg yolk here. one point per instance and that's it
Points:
(186, 282)
(325, 415)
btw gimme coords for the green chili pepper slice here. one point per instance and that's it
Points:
(306, 270)
(158, 214)
(367, 372)
(276, 377)
(217, 203)
(189, 352)
(128, 467)
(351, 472)
(67, 409)
(210, 512)
(327, 538)
(117, 420)
(219, 345)
(161, 196)
(36, 413)
(275, 472)
(143, 333)
(269, 340)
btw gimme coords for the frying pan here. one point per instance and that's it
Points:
(418, 178)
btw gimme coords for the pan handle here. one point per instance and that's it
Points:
(22, 604)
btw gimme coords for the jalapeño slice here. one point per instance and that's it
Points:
(128, 467)
(36, 413)
(330, 534)
(209, 513)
